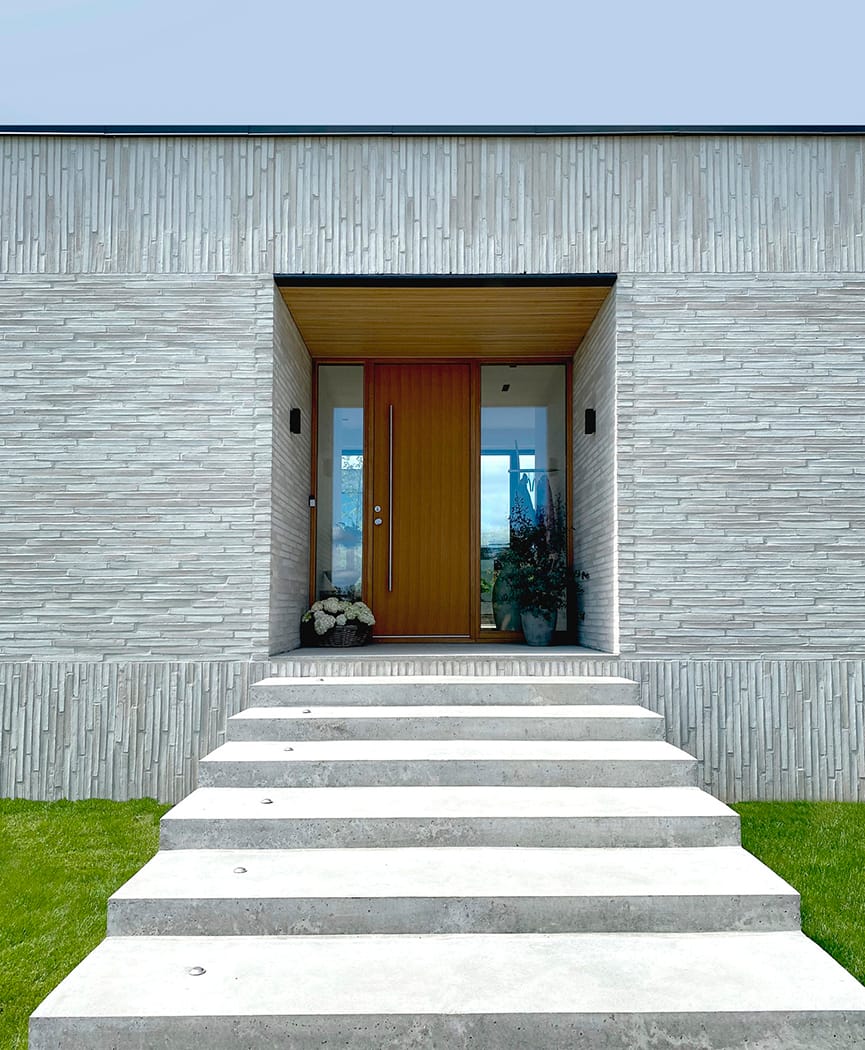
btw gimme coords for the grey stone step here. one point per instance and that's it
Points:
(293, 818)
(451, 890)
(414, 690)
(478, 722)
(342, 763)
(609, 991)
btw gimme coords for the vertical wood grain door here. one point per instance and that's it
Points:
(421, 501)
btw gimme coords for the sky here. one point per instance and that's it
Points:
(450, 62)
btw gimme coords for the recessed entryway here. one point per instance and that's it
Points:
(441, 405)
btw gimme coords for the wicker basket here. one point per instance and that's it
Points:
(347, 637)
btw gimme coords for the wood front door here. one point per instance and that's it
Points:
(421, 519)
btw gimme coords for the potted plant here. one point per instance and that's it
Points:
(537, 568)
(337, 622)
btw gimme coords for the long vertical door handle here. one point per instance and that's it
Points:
(390, 497)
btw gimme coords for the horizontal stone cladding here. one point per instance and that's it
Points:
(135, 466)
(760, 729)
(741, 464)
(594, 519)
(439, 204)
(290, 488)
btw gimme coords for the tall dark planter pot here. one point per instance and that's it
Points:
(537, 629)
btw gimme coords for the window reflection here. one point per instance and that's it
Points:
(522, 464)
(339, 516)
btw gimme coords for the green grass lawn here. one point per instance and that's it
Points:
(818, 847)
(60, 861)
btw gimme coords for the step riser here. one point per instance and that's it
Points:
(405, 693)
(257, 729)
(634, 773)
(500, 1031)
(371, 915)
(541, 832)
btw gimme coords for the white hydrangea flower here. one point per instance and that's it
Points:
(351, 612)
(364, 613)
(332, 606)
(316, 607)
(323, 622)
(340, 620)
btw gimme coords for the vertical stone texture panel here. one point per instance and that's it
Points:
(437, 204)
(760, 729)
(135, 466)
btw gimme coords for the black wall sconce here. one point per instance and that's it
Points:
(590, 421)
(294, 421)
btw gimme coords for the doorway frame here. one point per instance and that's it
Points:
(477, 634)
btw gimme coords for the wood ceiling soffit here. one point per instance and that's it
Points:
(523, 321)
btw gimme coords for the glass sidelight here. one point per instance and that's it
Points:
(523, 471)
(339, 490)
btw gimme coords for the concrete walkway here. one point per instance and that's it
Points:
(452, 862)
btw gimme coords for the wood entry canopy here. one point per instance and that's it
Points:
(543, 316)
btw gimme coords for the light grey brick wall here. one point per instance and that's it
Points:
(135, 466)
(292, 465)
(594, 482)
(740, 463)
(438, 204)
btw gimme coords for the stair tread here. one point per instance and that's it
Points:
(445, 750)
(300, 803)
(453, 872)
(456, 974)
(440, 689)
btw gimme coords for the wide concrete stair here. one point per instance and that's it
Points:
(461, 863)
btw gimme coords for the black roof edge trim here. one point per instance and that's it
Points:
(300, 130)
(495, 280)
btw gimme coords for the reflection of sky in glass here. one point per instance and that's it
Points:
(496, 496)
(348, 464)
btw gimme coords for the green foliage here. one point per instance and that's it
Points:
(819, 848)
(535, 566)
(59, 864)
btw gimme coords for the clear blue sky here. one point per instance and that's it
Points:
(449, 61)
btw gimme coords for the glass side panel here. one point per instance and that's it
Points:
(523, 465)
(339, 492)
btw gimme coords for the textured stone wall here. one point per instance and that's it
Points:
(740, 465)
(292, 465)
(594, 482)
(443, 204)
(760, 729)
(151, 558)
(135, 466)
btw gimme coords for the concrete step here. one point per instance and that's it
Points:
(342, 763)
(412, 690)
(451, 890)
(478, 722)
(295, 818)
(608, 991)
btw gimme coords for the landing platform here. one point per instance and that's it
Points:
(420, 659)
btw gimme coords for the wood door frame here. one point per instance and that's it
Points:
(477, 636)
